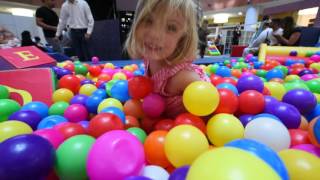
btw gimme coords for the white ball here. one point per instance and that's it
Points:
(268, 131)
(155, 173)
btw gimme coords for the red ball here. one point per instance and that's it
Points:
(298, 136)
(70, 82)
(228, 102)
(140, 87)
(69, 67)
(104, 77)
(103, 123)
(215, 79)
(296, 71)
(99, 82)
(251, 102)
(131, 122)
(227, 80)
(190, 119)
(266, 91)
(164, 124)
(148, 123)
(94, 70)
(70, 129)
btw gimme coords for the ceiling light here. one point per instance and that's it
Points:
(205, 17)
(22, 12)
(221, 18)
(240, 13)
(308, 11)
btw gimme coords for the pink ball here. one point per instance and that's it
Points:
(108, 71)
(128, 74)
(234, 60)
(247, 73)
(115, 155)
(249, 56)
(153, 105)
(52, 135)
(308, 77)
(76, 113)
(315, 58)
(308, 148)
(95, 60)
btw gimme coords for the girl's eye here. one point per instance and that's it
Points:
(148, 21)
(171, 28)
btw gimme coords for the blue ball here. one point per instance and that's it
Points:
(274, 73)
(228, 86)
(51, 121)
(314, 113)
(223, 71)
(116, 111)
(100, 92)
(263, 152)
(41, 108)
(120, 91)
(138, 72)
(266, 115)
(92, 103)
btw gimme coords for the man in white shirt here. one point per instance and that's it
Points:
(266, 36)
(78, 15)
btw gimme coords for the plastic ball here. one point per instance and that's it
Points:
(298, 136)
(10, 129)
(95, 70)
(187, 139)
(223, 71)
(179, 173)
(302, 99)
(58, 108)
(250, 83)
(276, 89)
(245, 119)
(69, 129)
(29, 117)
(133, 107)
(269, 132)
(104, 122)
(70, 82)
(76, 113)
(116, 111)
(314, 85)
(293, 53)
(190, 119)
(109, 85)
(51, 121)
(300, 164)
(26, 157)
(201, 98)
(230, 163)
(131, 122)
(164, 124)
(79, 99)
(37, 106)
(110, 102)
(95, 60)
(86, 81)
(154, 149)
(153, 105)
(308, 148)
(120, 91)
(139, 133)
(315, 58)
(295, 85)
(274, 73)
(155, 172)
(223, 128)
(251, 102)
(87, 89)
(4, 92)
(71, 157)
(62, 94)
(228, 86)
(80, 69)
(314, 131)
(7, 107)
(228, 102)
(52, 135)
(139, 87)
(128, 151)
(92, 103)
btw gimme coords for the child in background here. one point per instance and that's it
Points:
(164, 35)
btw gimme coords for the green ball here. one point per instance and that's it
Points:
(263, 79)
(4, 92)
(7, 107)
(81, 69)
(241, 60)
(139, 133)
(226, 62)
(109, 85)
(295, 85)
(71, 157)
(284, 69)
(214, 68)
(237, 66)
(314, 85)
(261, 73)
(309, 54)
(58, 108)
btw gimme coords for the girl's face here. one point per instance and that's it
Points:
(159, 36)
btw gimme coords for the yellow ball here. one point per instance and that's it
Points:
(10, 129)
(228, 163)
(110, 102)
(291, 77)
(183, 144)
(109, 65)
(87, 89)
(62, 64)
(223, 128)
(301, 164)
(119, 76)
(317, 96)
(128, 68)
(315, 66)
(62, 94)
(201, 98)
(276, 90)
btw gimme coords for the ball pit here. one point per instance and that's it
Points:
(248, 116)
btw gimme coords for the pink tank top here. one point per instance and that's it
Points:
(174, 104)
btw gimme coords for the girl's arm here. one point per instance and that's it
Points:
(291, 41)
(180, 81)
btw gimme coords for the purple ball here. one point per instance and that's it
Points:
(84, 124)
(310, 148)
(304, 72)
(86, 81)
(302, 99)
(26, 157)
(29, 117)
(79, 99)
(245, 119)
(250, 82)
(62, 72)
(180, 173)
(288, 114)
(137, 178)
(293, 53)
(269, 103)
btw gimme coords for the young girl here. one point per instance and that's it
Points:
(164, 35)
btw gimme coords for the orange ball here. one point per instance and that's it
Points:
(236, 73)
(304, 124)
(154, 149)
(133, 107)
(104, 77)
(313, 131)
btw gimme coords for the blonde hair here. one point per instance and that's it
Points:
(187, 46)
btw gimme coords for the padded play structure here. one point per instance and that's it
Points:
(281, 53)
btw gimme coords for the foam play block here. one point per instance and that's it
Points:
(24, 57)
(26, 85)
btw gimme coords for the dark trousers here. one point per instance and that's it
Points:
(80, 44)
(202, 50)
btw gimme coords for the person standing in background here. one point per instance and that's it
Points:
(48, 20)
(80, 20)
(203, 33)
(236, 35)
